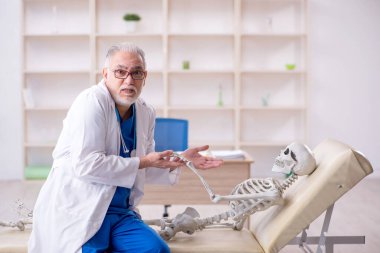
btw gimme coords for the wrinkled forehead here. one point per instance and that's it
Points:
(126, 60)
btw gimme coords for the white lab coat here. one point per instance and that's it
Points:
(87, 168)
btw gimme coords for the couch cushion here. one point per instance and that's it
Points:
(216, 240)
(339, 168)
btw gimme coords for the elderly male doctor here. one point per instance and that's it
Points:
(104, 156)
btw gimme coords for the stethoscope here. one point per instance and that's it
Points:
(124, 146)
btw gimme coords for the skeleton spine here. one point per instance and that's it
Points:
(214, 219)
(288, 182)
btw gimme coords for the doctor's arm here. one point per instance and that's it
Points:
(199, 161)
(160, 160)
(156, 175)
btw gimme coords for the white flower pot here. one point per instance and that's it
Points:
(131, 26)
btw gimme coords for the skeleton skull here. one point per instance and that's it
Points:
(296, 158)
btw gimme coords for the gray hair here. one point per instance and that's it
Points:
(124, 47)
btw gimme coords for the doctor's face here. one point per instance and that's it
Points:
(125, 77)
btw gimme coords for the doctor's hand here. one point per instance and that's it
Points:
(199, 161)
(160, 160)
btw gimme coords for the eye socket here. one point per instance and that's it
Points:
(294, 157)
(286, 152)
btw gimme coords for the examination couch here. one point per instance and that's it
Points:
(339, 168)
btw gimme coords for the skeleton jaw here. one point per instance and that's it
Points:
(283, 165)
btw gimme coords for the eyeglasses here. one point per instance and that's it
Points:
(123, 74)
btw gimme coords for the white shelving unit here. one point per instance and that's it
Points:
(237, 92)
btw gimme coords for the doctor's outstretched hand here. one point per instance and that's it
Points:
(160, 160)
(199, 161)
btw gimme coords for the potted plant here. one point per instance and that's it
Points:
(131, 19)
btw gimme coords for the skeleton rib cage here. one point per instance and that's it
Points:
(245, 207)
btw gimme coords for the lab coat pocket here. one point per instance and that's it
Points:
(79, 197)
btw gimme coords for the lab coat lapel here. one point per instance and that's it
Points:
(139, 130)
(114, 122)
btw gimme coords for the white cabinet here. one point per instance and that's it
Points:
(244, 86)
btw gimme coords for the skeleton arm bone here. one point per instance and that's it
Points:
(190, 165)
(205, 184)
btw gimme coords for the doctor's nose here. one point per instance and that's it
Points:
(129, 80)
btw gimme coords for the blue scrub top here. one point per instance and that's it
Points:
(120, 201)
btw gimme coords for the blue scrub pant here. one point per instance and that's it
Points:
(125, 233)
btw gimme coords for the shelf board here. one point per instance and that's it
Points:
(191, 71)
(197, 108)
(211, 143)
(201, 34)
(154, 71)
(274, 72)
(40, 144)
(265, 144)
(53, 35)
(46, 71)
(273, 108)
(46, 108)
(274, 35)
(123, 35)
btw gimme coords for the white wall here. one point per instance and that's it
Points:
(345, 74)
(344, 78)
(11, 128)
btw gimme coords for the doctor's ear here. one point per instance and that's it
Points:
(146, 74)
(105, 73)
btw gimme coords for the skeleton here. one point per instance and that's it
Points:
(246, 198)
(24, 217)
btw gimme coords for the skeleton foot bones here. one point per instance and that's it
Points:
(246, 198)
